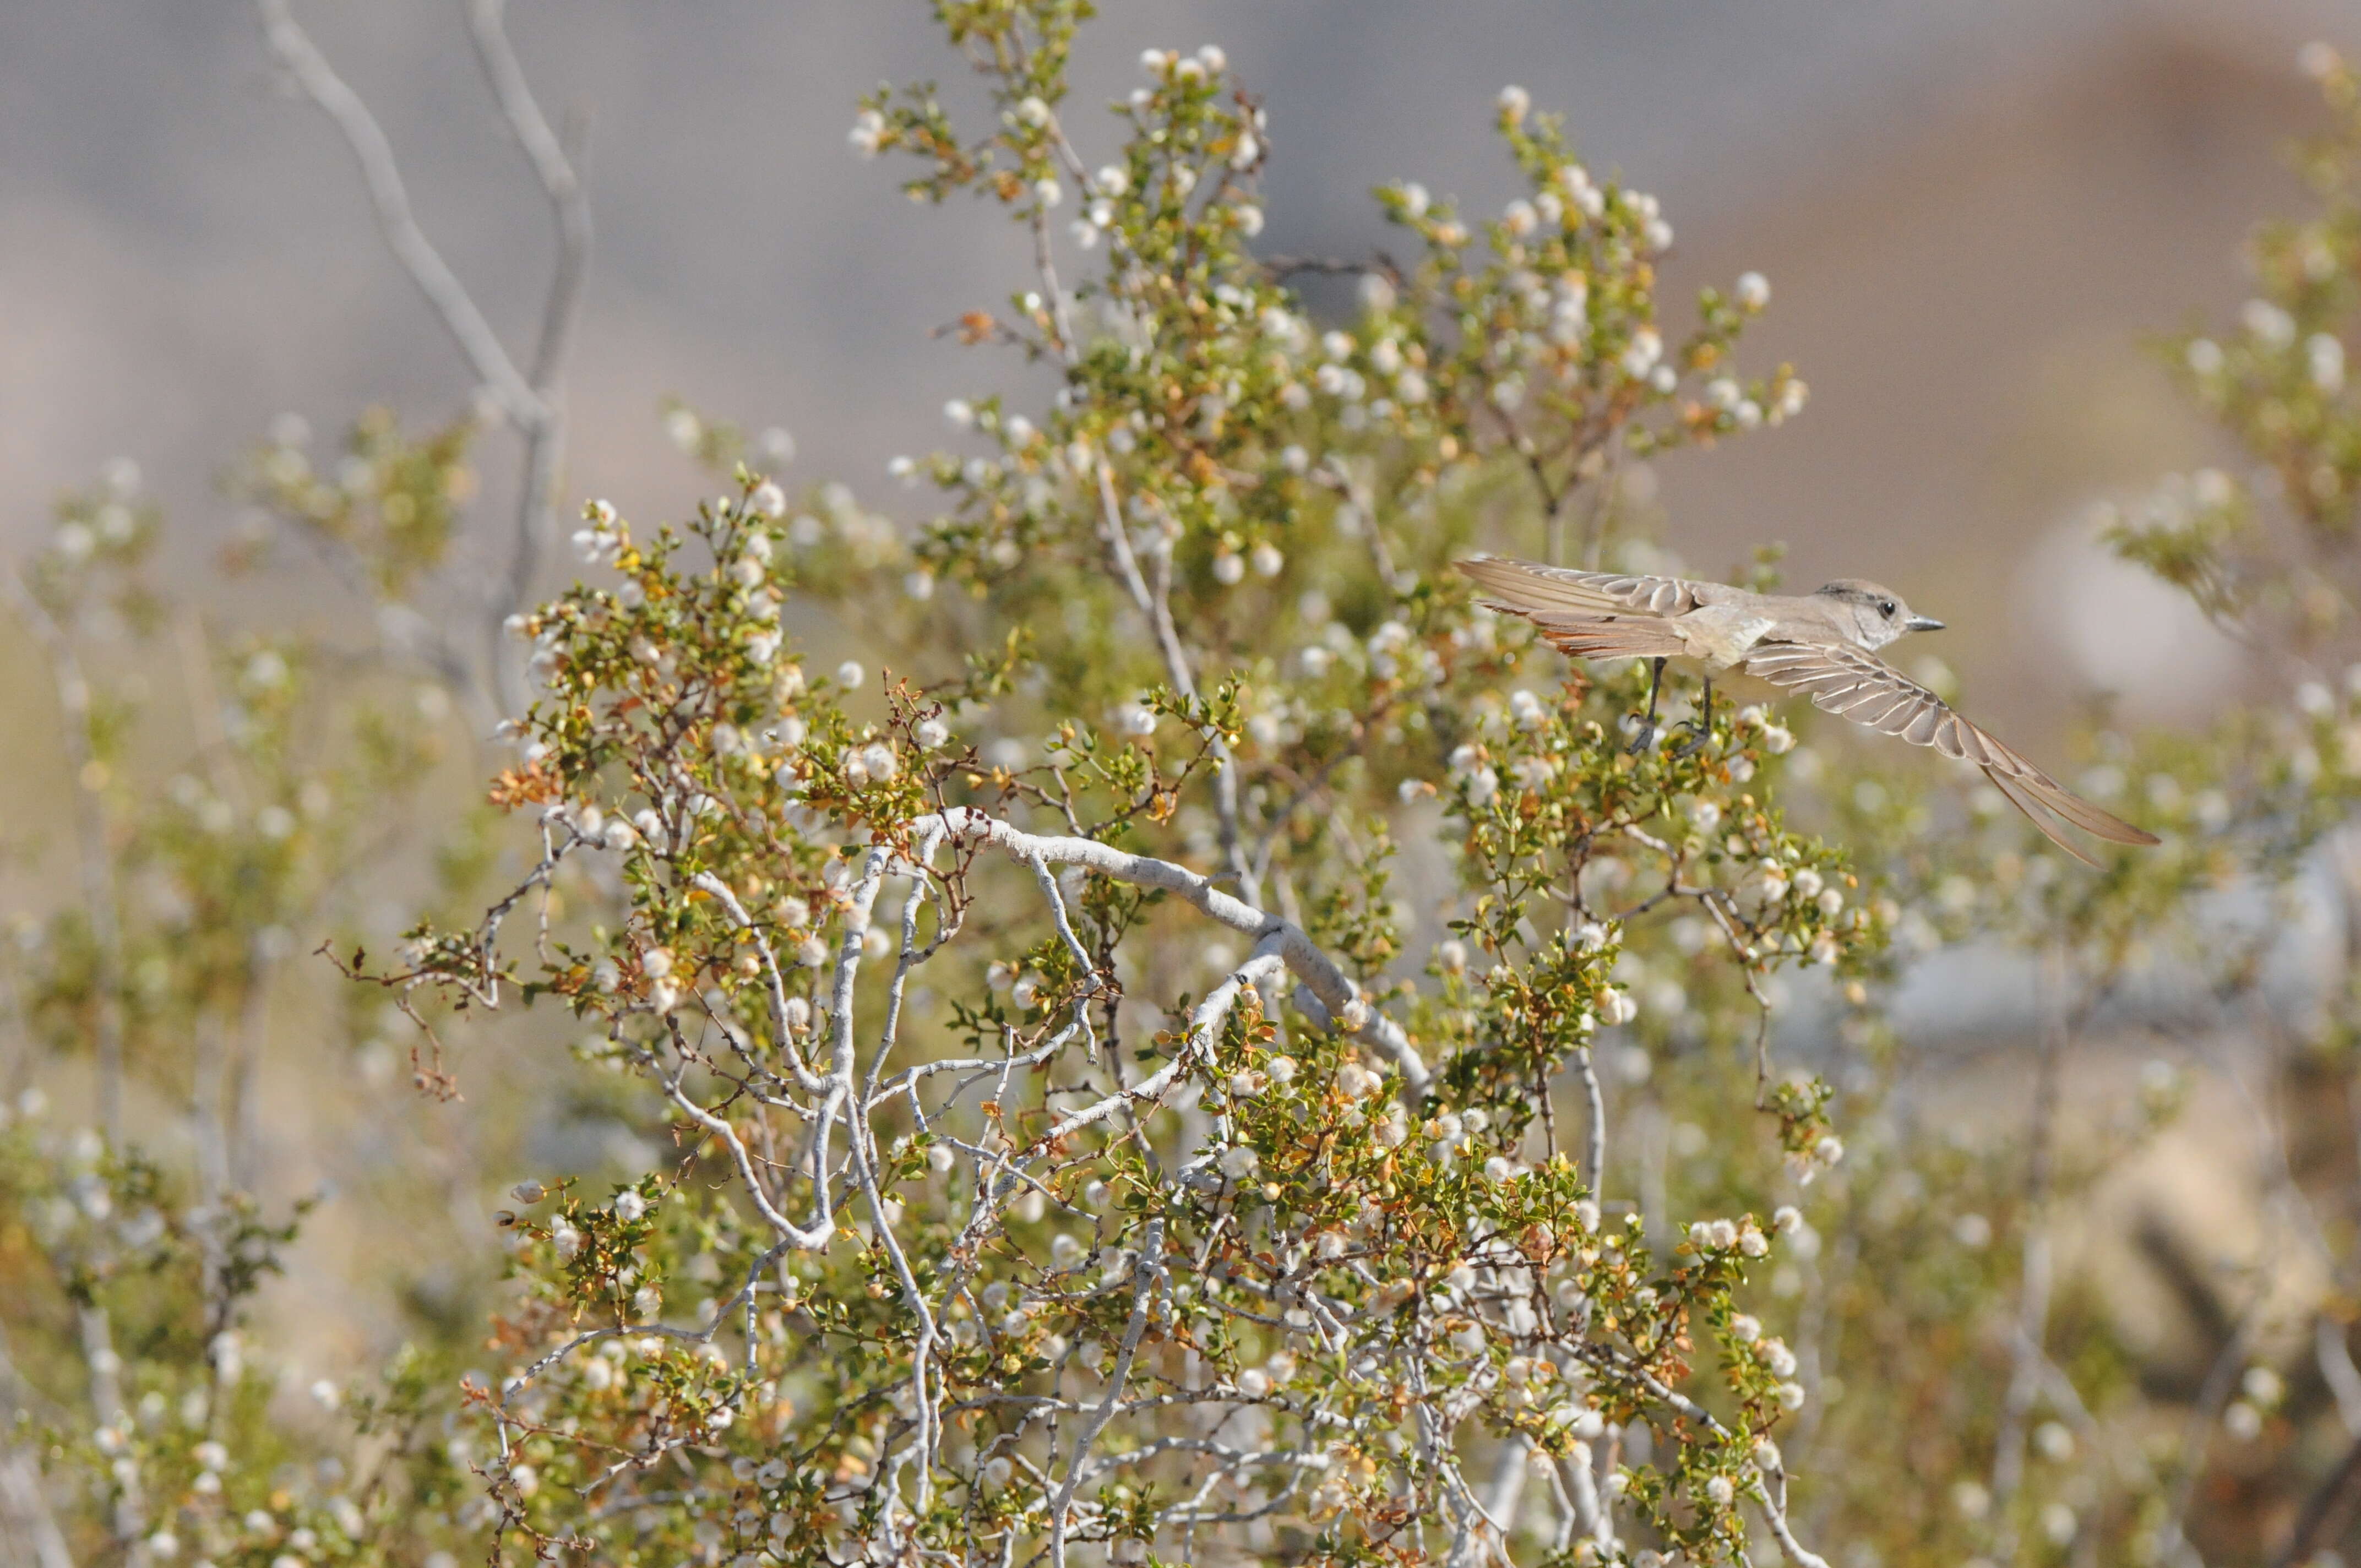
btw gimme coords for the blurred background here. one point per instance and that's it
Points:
(1970, 217)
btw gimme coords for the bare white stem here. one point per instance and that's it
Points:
(99, 1356)
(1203, 1024)
(813, 1237)
(922, 1349)
(1145, 1275)
(905, 1082)
(1318, 971)
(570, 207)
(295, 52)
(1591, 1519)
(1508, 1490)
(23, 1505)
(1050, 891)
(569, 204)
(1594, 1101)
(774, 984)
(25, 1511)
(1774, 1510)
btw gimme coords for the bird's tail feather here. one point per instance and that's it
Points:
(2041, 798)
(2082, 814)
(1611, 639)
(2034, 813)
(1525, 587)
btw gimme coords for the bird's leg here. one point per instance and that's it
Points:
(1646, 735)
(1700, 729)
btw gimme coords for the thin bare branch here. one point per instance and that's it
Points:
(295, 52)
(570, 207)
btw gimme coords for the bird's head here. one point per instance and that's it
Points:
(1877, 613)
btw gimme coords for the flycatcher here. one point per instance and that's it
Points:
(1823, 645)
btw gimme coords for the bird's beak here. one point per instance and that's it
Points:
(1923, 623)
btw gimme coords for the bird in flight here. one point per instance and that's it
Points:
(1823, 645)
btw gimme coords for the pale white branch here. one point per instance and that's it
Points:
(292, 48)
(1145, 1275)
(1328, 981)
(774, 984)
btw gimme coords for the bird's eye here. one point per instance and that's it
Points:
(1886, 610)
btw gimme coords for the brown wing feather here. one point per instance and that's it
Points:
(1866, 689)
(1530, 589)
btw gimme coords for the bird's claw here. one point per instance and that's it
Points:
(1643, 737)
(1698, 736)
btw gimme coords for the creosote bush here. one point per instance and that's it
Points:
(1033, 1250)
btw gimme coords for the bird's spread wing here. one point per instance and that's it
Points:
(1544, 593)
(1866, 689)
